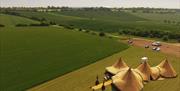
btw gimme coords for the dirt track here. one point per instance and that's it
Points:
(168, 48)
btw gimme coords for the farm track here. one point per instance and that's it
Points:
(167, 48)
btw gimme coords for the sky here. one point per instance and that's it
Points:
(92, 3)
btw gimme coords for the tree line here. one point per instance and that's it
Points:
(151, 33)
(172, 22)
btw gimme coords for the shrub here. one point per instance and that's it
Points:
(120, 32)
(21, 25)
(61, 25)
(87, 31)
(52, 23)
(12, 13)
(165, 38)
(68, 27)
(178, 40)
(101, 34)
(41, 24)
(80, 29)
(1, 25)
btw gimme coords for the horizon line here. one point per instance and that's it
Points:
(81, 7)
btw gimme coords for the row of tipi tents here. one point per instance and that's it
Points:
(125, 78)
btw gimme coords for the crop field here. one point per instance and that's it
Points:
(33, 55)
(87, 75)
(159, 17)
(107, 21)
(10, 20)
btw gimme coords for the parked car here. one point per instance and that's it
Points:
(154, 48)
(158, 49)
(156, 43)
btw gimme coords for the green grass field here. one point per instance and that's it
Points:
(82, 79)
(30, 56)
(33, 55)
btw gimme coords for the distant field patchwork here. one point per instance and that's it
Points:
(108, 21)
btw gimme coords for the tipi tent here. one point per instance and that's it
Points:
(166, 69)
(128, 80)
(155, 73)
(115, 68)
(147, 72)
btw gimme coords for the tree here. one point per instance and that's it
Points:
(101, 34)
(87, 31)
(165, 38)
(178, 40)
(80, 29)
(52, 23)
(21, 25)
(165, 21)
(120, 32)
(134, 11)
(2, 25)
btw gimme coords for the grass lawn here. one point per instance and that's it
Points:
(33, 55)
(82, 79)
(30, 56)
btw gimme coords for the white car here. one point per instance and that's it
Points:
(154, 48)
(156, 43)
(158, 49)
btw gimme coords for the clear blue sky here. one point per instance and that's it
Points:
(93, 3)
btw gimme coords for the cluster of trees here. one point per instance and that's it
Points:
(67, 26)
(152, 34)
(158, 12)
(11, 13)
(171, 22)
(154, 11)
(25, 25)
(56, 8)
(1, 25)
(101, 34)
(21, 25)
